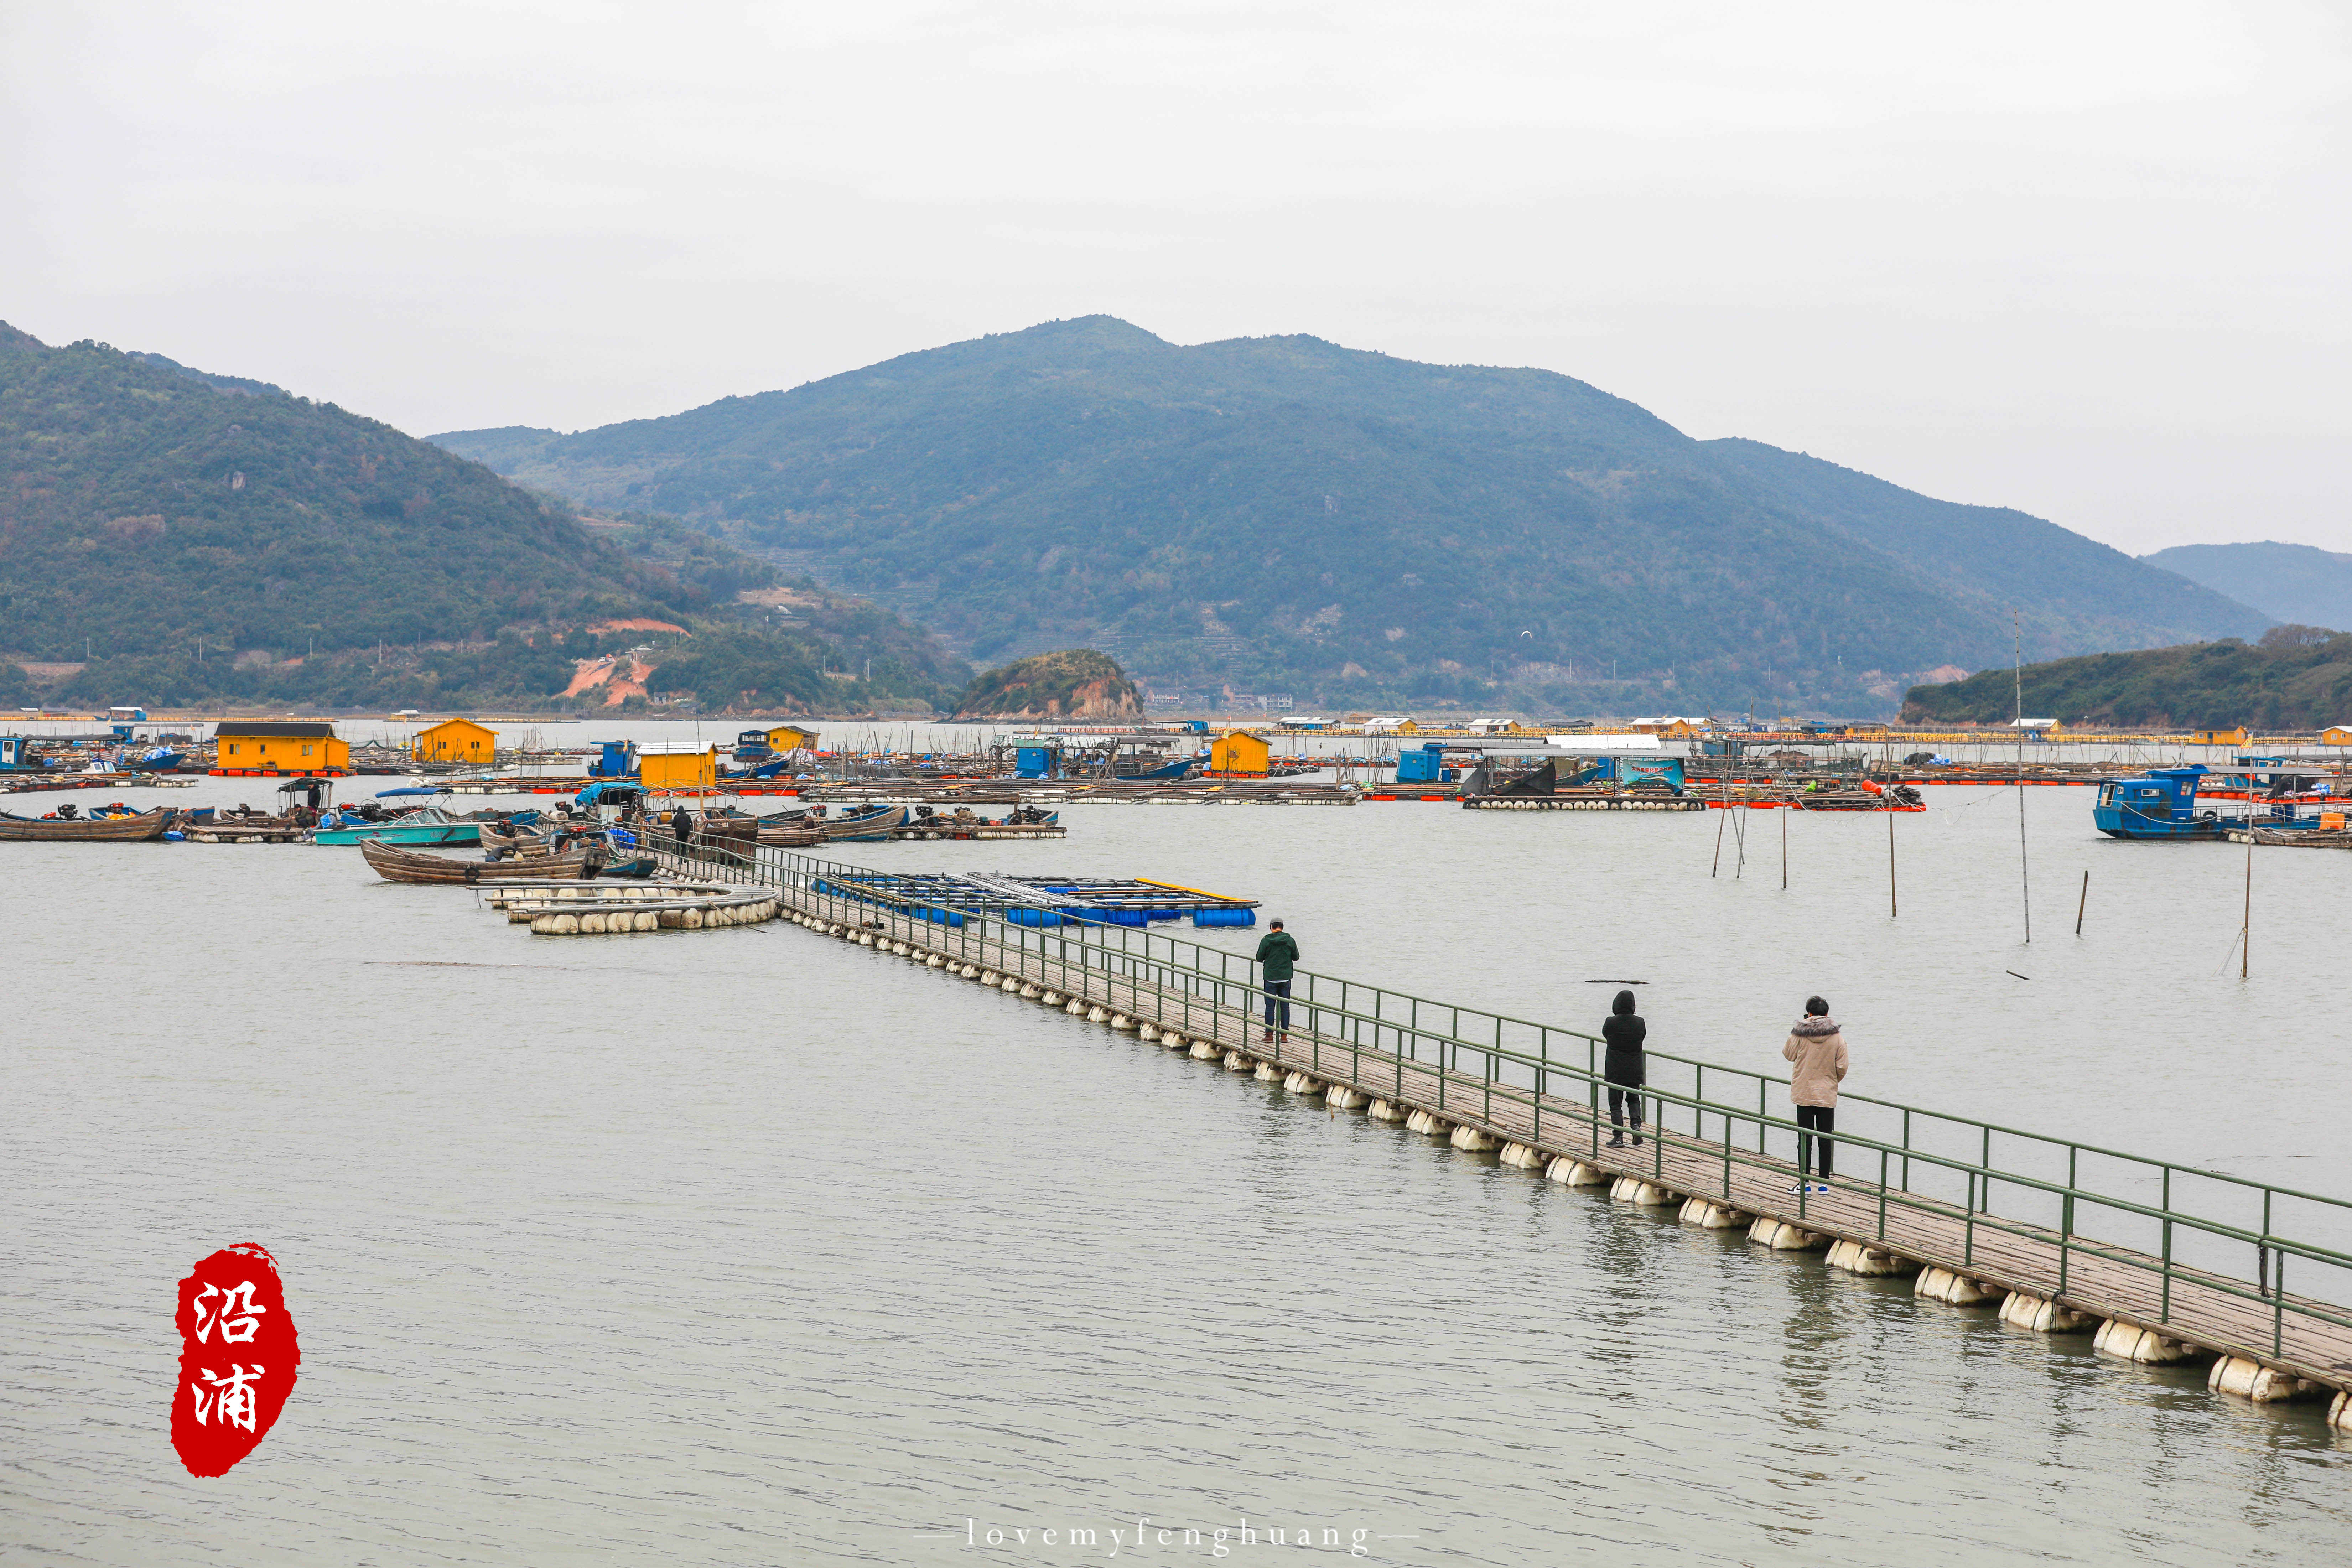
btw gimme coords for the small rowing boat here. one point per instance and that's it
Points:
(398, 865)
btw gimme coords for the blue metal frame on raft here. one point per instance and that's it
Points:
(1933, 1167)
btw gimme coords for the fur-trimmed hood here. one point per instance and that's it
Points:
(1815, 1028)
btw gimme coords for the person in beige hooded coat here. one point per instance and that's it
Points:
(1818, 1050)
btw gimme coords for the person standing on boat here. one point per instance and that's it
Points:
(1818, 1049)
(1277, 956)
(1625, 1068)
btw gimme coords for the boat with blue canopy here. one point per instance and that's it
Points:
(2158, 803)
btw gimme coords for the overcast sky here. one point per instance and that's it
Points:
(2090, 261)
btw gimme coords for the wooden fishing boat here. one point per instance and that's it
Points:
(136, 829)
(398, 865)
(866, 826)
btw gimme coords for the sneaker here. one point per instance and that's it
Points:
(1637, 1139)
(1798, 1188)
(1617, 1140)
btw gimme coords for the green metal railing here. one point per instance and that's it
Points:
(2189, 1231)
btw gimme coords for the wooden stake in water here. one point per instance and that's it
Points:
(1784, 847)
(1718, 842)
(2083, 902)
(1892, 911)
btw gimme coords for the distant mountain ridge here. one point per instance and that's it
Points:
(2295, 678)
(174, 537)
(2295, 582)
(1285, 514)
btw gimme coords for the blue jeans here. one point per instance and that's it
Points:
(1277, 993)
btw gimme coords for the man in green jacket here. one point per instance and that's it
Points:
(1277, 954)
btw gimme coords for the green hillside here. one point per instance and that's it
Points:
(1284, 514)
(1070, 683)
(148, 508)
(2297, 678)
(199, 538)
(2289, 582)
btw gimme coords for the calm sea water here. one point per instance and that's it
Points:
(749, 1248)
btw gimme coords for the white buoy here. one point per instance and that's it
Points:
(1952, 1289)
(2043, 1315)
(646, 920)
(567, 925)
(2251, 1380)
(1782, 1236)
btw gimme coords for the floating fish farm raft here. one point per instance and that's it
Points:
(1031, 900)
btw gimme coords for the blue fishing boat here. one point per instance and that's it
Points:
(428, 825)
(2160, 804)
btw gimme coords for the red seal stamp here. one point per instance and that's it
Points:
(238, 1358)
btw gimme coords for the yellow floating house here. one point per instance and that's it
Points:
(1239, 752)
(458, 741)
(679, 770)
(278, 747)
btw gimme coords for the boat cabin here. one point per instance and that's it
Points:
(18, 754)
(2160, 803)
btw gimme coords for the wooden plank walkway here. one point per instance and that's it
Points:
(2089, 1277)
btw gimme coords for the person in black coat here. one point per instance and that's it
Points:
(1624, 1067)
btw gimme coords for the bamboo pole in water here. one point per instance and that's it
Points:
(2084, 902)
(1784, 847)
(1893, 910)
(2246, 922)
(1719, 844)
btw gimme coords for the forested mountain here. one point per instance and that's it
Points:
(1068, 683)
(2297, 678)
(148, 508)
(195, 538)
(1281, 514)
(2286, 582)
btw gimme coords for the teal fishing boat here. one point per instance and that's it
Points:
(428, 825)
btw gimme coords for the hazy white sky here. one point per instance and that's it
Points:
(2089, 261)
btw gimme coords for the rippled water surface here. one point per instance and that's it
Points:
(747, 1247)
